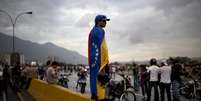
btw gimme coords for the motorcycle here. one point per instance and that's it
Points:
(82, 84)
(63, 81)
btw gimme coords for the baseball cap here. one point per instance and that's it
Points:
(101, 17)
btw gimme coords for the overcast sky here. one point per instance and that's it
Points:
(138, 30)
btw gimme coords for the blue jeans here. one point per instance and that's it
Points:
(175, 90)
(136, 82)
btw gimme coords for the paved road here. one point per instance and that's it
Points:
(72, 84)
(73, 81)
(11, 96)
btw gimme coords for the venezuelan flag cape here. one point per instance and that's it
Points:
(97, 58)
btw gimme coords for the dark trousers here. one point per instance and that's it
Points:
(136, 82)
(23, 81)
(28, 83)
(144, 87)
(6, 83)
(175, 90)
(155, 85)
(16, 82)
(165, 87)
(1, 86)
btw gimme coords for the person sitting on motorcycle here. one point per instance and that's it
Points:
(128, 80)
(81, 76)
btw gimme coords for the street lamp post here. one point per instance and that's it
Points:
(14, 56)
(13, 24)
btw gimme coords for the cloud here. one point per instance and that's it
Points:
(138, 28)
(171, 32)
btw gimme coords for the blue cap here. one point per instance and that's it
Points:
(101, 17)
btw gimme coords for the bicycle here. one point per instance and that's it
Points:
(121, 90)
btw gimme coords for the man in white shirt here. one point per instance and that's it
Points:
(153, 81)
(113, 72)
(1, 78)
(165, 80)
(52, 75)
(1, 72)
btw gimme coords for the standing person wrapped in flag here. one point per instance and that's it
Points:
(98, 59)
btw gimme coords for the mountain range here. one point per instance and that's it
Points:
(40, 52)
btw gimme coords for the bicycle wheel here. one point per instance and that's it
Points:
(128, 96)
(131, 88)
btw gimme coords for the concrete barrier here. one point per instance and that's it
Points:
(42, 91)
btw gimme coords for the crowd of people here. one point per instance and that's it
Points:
(168, 76)
(18, 77)
(163, 78)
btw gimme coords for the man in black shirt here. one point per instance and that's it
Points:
(176, 79)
